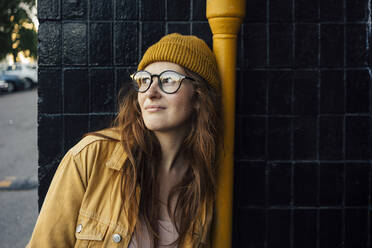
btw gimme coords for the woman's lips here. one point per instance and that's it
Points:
(154, 108)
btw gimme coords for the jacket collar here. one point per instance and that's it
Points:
(117, 158)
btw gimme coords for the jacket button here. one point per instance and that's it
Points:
(79, 228)
(116, 238)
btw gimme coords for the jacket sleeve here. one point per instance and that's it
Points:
(56, 224)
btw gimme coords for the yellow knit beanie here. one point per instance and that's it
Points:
(187, 51)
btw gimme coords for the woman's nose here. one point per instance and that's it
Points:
(154, 90)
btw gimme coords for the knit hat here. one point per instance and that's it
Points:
(187, 51)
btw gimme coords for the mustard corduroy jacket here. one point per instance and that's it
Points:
(82, 206)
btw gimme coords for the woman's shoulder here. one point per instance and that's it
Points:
(103, 148)
(99, 139)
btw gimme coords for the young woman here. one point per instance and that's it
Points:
(149, 181)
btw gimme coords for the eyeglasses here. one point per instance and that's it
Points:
(169, 81)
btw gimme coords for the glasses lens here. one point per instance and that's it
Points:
(170, 81)
(142, 79)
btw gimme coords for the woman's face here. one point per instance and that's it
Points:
(166, 112)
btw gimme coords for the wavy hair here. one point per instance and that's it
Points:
(201, 144)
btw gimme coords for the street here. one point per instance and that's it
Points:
(18, 167)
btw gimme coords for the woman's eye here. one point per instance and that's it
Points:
(168, 80)
(145, 81)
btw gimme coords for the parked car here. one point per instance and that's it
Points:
(17, 77)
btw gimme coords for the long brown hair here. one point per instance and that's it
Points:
(143, 150)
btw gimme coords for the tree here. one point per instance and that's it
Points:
(17, 30)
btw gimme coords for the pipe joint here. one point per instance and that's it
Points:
(225, 25)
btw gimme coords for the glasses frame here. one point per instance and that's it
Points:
(159, 81)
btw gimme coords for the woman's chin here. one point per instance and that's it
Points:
(156, 127)
(172, 130)
(161, 129)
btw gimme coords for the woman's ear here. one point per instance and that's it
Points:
(195, 99)
(197, 105)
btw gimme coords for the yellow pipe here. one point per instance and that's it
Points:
(225, 18)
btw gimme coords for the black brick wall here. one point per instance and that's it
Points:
(303, 125)
(304, 101)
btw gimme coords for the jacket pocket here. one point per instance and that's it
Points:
(90, 232)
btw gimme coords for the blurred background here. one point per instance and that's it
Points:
(18, 121)
(18, 45)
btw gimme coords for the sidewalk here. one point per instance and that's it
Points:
(18, 167)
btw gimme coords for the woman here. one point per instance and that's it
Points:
(149, 181)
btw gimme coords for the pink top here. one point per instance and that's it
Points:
(167, 231)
